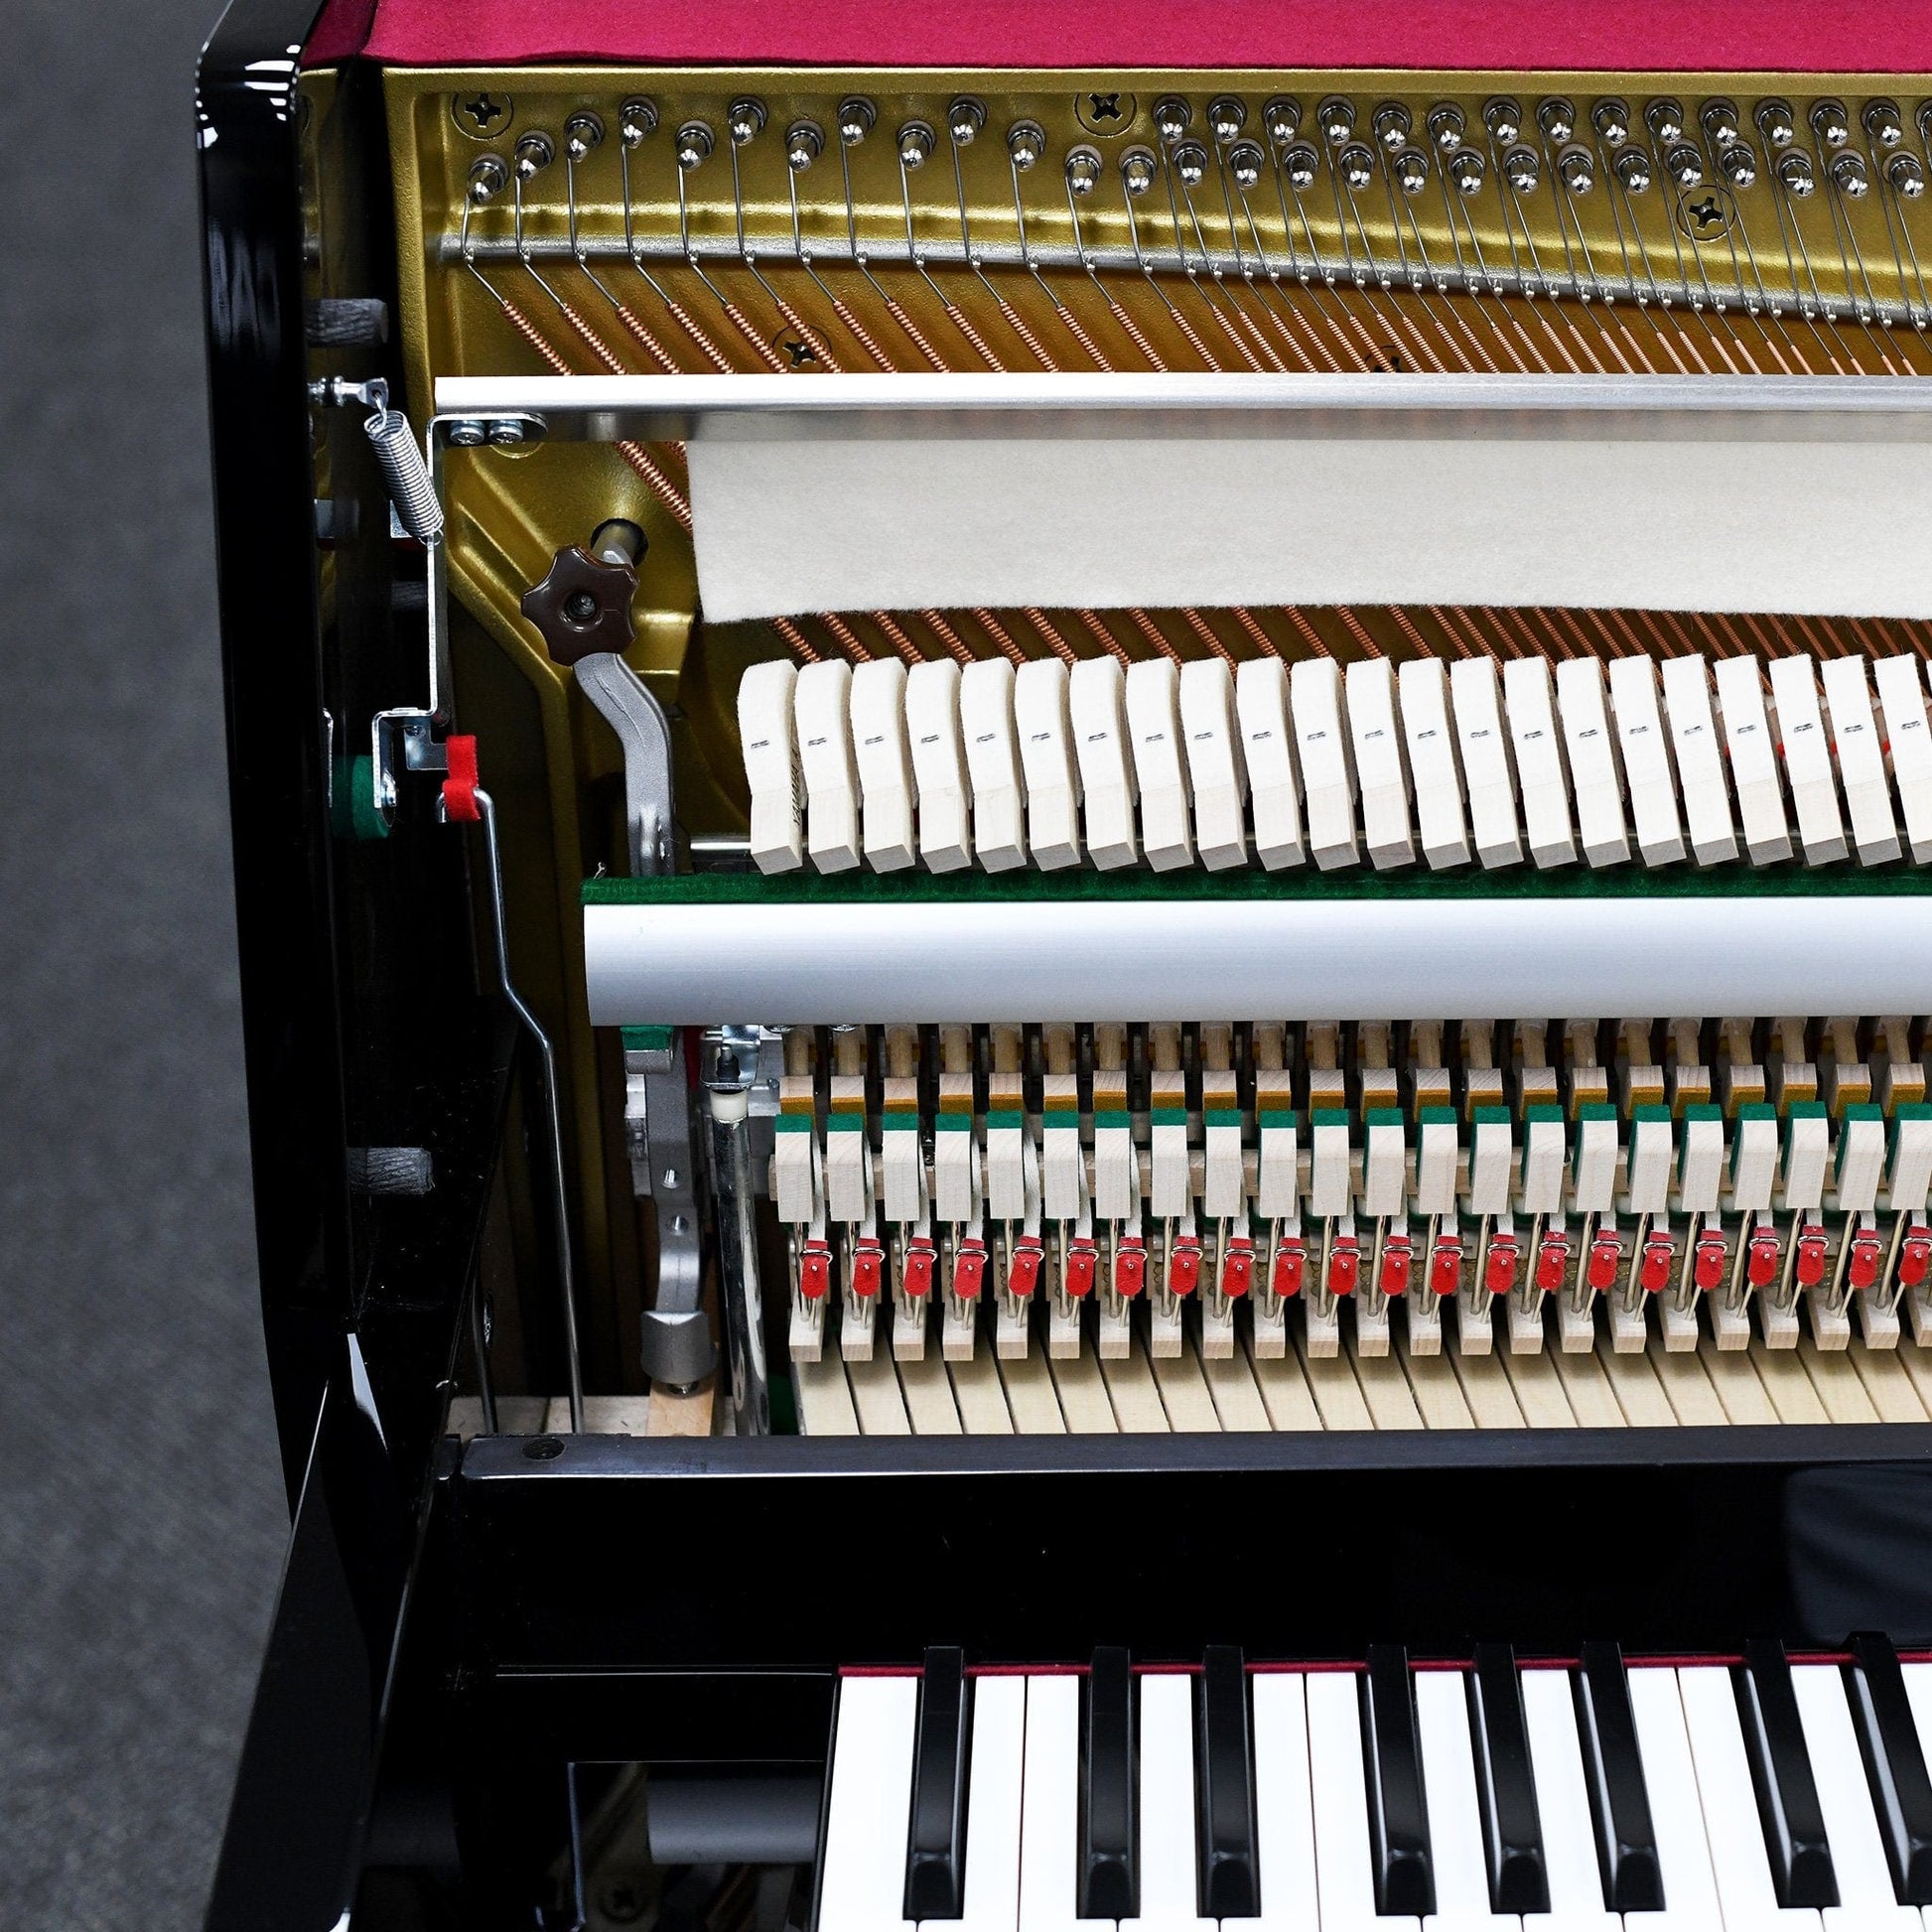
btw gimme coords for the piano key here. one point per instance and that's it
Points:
(1787, 1793)
(769, 737)
(1030, 1399)
(993, 1809)
(1284, 1809)
(1285, 1391)
(1398, 1810)
(1505, 1786)
(1895, 1764)
(1167, 1873)
(1183, 1394)
(824, 1396)
(1154, 733)
(1457, 1861)
(1752, 747)
(1486, 768)
(939, 765)
(1387, 826)
(1106, 1777)
(876, 1395)
(1700, 761)
(1331, 1381)
(1237, 1401)
(862, 1870)
(1571, 1870)
(934, 1860)
(1732, 1829)
(1344, 1867)
(821, 702)
(1224, 1779)
(1593, 770)
(1097, 705)
(981, 1401)
(993, 763)
(884, 763)
(1268, 746)
(928, 1389)
(1441, 819)
(1867, 1901)
(1050, 1827)
(1083, 1391)
(1619, 1794)
(1683, 1856)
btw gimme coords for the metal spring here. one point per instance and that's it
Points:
(845, 637)
(1152, 632)
(917, 340)
(1135, 334)
(410, 489)
(947, 636)
(646, 341)
(859, 334)
(592, 340)
(1057, 645)
(957, 316)
(1201, 630)
(896, 635)
(1195, 342)
(1018, 323)
(795, 639)
(658, 482)
(760, 347)
(1105, 638)
(1249, 622)
(706, 346)
(1078, 330)
(998, 631)
(1353, 626)
(809, 337)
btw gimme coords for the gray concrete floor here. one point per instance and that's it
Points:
(141, 1516)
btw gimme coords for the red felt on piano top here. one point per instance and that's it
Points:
(1730, 35)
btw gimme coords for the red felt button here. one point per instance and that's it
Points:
(969, 1270)
(1130, 1268)
(868, 1266)
(1082, 1262)
(1915, 1258)
(1500, 1265)
(1446, 1266)
(1653, 1269)
(1761, 1259)
(1290, 1262)
(1183, 1264)
(814, 1269)
(1345, 1265)
(1238, 1266)
(1862, 1265)
(1605, 1257)
(1811, 1258)
(1022, 1271)
(1396, 1257)
(460, 786)
(919, 1259)
(1708, 1260)
(1552, 1262)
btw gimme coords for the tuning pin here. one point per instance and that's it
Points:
(915, 145)
(1719, 119)
(1446, 126)
(1634, 170)
(1172, 118)
(637, 119)
(1282, 117)
(1850, 175)
(1503, 118)
(1523, 168)
(1301, 165)
(1392, 125)
(1796, 173)
(1611, 120)
(1683, 163)
(1137, 172)
(1576, 166)
(1829, 124)
(1411, 171)
(1664, 118)
(804, 143)
(487, 179)
(1026, 143)
(1738, 165)
(1245, 161)
(965, 120)
(1336, 118)
(1357, 165)
(1557, 118)
(582, 133)
(533, 153)
(1881, 122)
(744, 120)
(1465, 171)
(1227, 115)
(694, 145)
(1774, 123)
(1191, 163)
(857, 118)
(1906, 176)
(1083, 169)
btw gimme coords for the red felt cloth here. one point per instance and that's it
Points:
(1732, 35)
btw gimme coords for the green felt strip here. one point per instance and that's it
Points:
(794, 1124)
(1112, 1117)
(837, 1123)
(1169, 1117)
(646, 1040)
(955, 1124)
(1281, 1117)
(1054, 888)
(1490, 1117)
(1006, 1117)
(1382, 1117)
(1221, 1117)
(1436, 1116)
(1328, 1117)
(1541, 1112)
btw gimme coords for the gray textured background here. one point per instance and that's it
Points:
(141, 1517)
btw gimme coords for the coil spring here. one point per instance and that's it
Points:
(410, 489)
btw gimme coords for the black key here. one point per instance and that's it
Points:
(1512, 1832)
(1895, 1764)
(1398, 1816)
(1107, 1779)
(935, 1853)
(1619, 1801)
(1230, 1887)
(1787, 1793)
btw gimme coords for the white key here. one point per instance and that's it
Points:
(1284, 1808)
(1865, 1900)
(993, 763)
(1268, 746)
(884, 763)
(821, 703)
(1440, 815)
(1732, 1826)
(1860, 760)
(1049, 1833)
(1344, 1875)
(1807, 759)
(1448, 1775)
(1154, 731)
(994, 1784)
(1683, 1858)
(1379, 771)
(862, 1873)
(1595, 774)
(1753, 761)
(940, 765)
(1700, 761)
(1214, 769)
(1901, 702)
(1646, 760)
(1528, 701)
(1097, 703)
(1570, 1864)
(1486, 768)
(1040, 717)
(770, 738)
(1315, 708)
(1166, 1811)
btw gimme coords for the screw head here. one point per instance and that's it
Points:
(1611, 120)
(542, 1448)
(506, 435)
(857, 118)
(1336, 118)
(636, 118)
(694, 145)
(916, 144)
(1393, 125)
(465, 436)
(1282, 117)
(804, 143)
(1083, 169)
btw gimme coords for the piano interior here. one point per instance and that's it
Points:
(1090, 1048)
